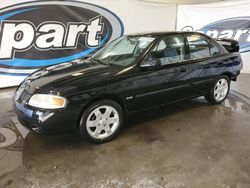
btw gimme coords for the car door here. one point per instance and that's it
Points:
(163, 75)
(204, 56)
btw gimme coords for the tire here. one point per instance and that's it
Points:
(219, 91)
(101, 121)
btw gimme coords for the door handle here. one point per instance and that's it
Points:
(184, 70)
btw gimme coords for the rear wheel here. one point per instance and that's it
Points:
(219, 91)
(101, 121)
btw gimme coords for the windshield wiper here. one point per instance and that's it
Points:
(101, 62)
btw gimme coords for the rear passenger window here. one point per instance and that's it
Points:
(198, 46)
(169, 50)
(214, 50)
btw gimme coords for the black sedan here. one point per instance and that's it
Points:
(132, 73)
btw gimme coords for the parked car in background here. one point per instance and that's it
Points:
(132, 73)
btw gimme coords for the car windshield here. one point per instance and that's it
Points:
(123, 51)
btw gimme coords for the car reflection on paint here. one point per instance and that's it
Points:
(132, 73)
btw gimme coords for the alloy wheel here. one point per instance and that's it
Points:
(221, 89)
(102, 122)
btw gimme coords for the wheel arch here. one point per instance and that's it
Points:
(228, 74)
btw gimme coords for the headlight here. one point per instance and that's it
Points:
(47, 101)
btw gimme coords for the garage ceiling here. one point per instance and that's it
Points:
(184, 1)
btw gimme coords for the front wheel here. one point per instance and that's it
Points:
(101, 121)
(219, 91)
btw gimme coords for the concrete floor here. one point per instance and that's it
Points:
(187, 144)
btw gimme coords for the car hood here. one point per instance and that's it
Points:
(69, 77)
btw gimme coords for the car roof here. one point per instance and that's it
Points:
(157, 34)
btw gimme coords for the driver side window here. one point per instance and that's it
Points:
(169, 50)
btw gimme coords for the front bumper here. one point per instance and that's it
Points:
(46, 121)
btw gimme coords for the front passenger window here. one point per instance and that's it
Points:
(169, 50)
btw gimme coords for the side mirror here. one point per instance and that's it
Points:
(151, 64)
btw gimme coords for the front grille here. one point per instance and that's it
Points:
(23, 95)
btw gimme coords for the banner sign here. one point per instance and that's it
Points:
(43, 33)
(219, 20)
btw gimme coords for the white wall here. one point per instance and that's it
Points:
(140, 16)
